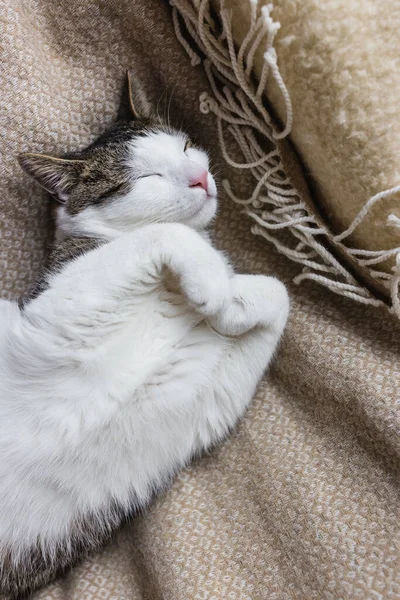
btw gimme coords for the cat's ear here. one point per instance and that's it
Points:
(134, 102)
(56, 175)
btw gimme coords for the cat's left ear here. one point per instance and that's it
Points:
(56, 175)
(134, 102)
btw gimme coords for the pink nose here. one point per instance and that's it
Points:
(199, 180)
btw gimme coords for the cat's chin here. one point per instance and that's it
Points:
(203, 217)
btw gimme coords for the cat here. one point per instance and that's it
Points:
(138, 350)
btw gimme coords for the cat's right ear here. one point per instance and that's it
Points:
(56, 175)
(134, 103)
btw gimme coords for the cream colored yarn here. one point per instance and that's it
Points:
(275, 204)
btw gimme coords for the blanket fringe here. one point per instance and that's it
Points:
(275, 205)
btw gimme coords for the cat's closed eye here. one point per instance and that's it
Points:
(149, 175)
(188, 145)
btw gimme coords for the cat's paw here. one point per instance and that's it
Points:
(208, 290)
(203, 275)
(257, 301)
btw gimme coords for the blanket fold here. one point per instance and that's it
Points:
(303, 500)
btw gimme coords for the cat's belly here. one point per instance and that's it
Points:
(155, 431)
(116, 429)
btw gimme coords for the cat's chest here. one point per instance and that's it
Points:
(159, 367)
(162, 341)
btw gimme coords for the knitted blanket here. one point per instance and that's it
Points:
(302, 501)
(330, 71)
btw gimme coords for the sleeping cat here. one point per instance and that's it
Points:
(139, 349)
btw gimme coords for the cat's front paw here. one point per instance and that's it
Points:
(257, 301)
(208, 292)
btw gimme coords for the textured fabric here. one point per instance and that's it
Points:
(340, 62)
(303, 500)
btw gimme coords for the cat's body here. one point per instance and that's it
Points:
(136, 355)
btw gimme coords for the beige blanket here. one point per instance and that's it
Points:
(303, 500)
(340, 64)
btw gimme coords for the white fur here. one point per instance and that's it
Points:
(161, 171)
(114, 377)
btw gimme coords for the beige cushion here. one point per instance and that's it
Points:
(341, 65)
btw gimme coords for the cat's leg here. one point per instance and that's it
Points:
(204, 275)
(257, 316)
(257, 301)
(103, 289)
(134, 263)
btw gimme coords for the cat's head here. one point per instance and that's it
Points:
(140, 171)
